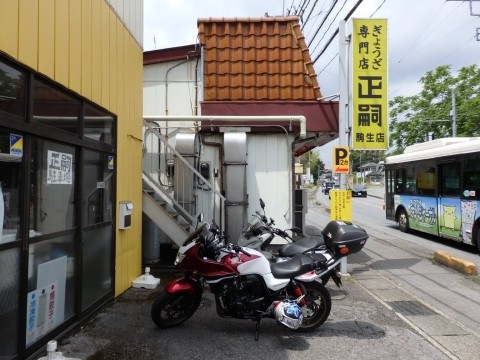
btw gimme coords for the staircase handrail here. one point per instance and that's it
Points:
(206, 183)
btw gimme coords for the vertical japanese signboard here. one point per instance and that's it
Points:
(370, 71)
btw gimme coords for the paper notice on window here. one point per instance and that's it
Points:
(59, 168)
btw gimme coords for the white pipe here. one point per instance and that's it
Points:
(274, 119)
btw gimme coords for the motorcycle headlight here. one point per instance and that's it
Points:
(179, 258)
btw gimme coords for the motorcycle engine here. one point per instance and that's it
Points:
(241, 297)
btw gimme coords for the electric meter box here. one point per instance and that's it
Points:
(125, 218)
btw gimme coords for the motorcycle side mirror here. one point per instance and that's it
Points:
(199, 218)
(262, 204)
(296, 230)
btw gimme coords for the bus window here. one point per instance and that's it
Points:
(399, 181)
(426, 178)
(410, 181)
(450, 174)
(471, 176)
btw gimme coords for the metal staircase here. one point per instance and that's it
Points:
(174, 192)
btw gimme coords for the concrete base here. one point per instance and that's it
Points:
(461, 265)
(146, 281)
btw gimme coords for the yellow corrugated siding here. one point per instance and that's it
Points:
(46, 37)
(88, 50)
(75, 46)
(61, 42)
(27, 32)
(105, 55)
(9, 21)
(97, 52)
(113, 59)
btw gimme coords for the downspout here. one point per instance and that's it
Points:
(196, 88)
(166, 82)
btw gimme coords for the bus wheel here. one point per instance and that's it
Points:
(403, 221)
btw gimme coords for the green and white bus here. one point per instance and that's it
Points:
(434, 187)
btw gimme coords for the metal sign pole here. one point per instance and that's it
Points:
(343, 109)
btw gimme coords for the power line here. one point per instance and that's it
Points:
(323, 21)
(303, 6)
(309, 14)
(420, 36)
(378, 8)
(350, 13)
(316, 19)
(328, 64)
(331, 23)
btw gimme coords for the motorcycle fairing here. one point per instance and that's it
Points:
(256, 263)
(207, 266)
(273, 283)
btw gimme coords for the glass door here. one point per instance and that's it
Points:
(389, 193)
(11, 162)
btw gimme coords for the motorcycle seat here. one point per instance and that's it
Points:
(295, 266)
(301, 246)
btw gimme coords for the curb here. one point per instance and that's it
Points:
(464, 266)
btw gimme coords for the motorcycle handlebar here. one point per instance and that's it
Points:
(239, 248)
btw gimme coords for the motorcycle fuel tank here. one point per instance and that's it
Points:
(256, 263)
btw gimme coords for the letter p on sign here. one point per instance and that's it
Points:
(341, 160)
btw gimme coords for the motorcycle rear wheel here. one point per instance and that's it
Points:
(317, 308)
(170, 310)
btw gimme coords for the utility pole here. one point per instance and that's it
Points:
(343, 110)
(453, 117)
(453, 114)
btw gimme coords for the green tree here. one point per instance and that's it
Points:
(362, 157)
(7, 84)
(311, 159)
(412, 118)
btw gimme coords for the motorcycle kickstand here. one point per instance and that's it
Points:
(257, 327)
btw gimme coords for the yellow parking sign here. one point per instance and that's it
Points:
(341, 160)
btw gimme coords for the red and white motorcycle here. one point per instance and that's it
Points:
(248, 286)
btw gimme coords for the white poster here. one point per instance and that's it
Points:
(41, 312)
(46, 304)
(59, 168)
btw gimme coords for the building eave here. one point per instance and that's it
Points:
(171, 54)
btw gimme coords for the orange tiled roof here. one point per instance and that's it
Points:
(262, 59)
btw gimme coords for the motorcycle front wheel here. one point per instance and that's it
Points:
(317, 307)
(170, 310)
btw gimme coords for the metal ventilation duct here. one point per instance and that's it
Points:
(235, 164)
